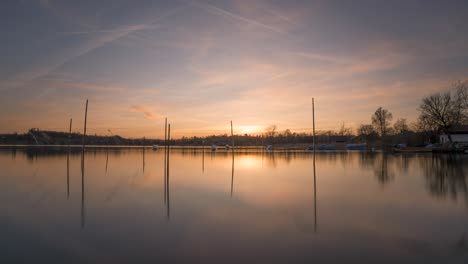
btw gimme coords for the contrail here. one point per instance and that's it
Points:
(218, 11)
(124, 29)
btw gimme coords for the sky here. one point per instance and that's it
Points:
(204, 63)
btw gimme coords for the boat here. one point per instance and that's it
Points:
(269, 147)
(412, 149)
(356, 146)
(327, 147)
(213, 147)
(227, 147)
(155, 147)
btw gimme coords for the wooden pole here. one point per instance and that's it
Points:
(313, 123)
(165, 132)
(68, 159)
(315, 178)
(232, 172)
(232, 137)
(85, 121)
(82, 168)
(168, 134)
(165, 160)
(69, 132)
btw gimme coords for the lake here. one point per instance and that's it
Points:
(129, 205)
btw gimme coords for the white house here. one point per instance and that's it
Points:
(458, 136)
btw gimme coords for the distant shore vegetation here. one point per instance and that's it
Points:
(439, 113)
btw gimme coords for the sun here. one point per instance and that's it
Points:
(248, 129)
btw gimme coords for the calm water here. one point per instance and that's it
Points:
(255, 208)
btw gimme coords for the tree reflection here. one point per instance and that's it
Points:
(446, 175)
(379, 164)
(381, 171)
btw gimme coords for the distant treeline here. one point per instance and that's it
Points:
(440, 113)
(41, 137)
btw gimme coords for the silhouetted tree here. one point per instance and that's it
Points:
(345, 131)
(447, 110)
(270, 131)
(381, 120)
(366, 132)
(400, 126)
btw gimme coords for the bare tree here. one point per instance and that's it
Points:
(461, 95)
(366, 132)
(345, 131)
(401, 126)
(270, 131)
(381, 120)
(447, 110)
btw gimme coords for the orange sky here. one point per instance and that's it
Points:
(204, 63)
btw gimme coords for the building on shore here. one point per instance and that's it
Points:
(458, 136)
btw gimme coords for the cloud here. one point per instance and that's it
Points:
(126, 30)
(99, 38)
(235, 17)
(148, 114)
(97, 87)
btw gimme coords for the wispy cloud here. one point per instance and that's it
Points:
(99, 38)
(234, 17)
(125, 29)
(148, 114)
(97, 87)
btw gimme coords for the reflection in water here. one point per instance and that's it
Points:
(107, 158)
(165, 174)
(382, 172)
(68, 172)
(379, 164)
(232, 172)
(82, 189)
(315, 198)
(446, 175)
(269, 219)
(203, 159)
(168, 204)
(143, 159)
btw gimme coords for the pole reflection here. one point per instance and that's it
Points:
(315, 197)
(82, 189)
(68, 173)
(232, 173)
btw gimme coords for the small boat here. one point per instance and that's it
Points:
(327, 147)
(227, 147)
(155, 147)
(310, 148)
(413, 149)
(356, 147)
(269, 147)
(213, 147)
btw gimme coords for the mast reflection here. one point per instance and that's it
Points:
(82, 189)
(232, 172)
(315, 198)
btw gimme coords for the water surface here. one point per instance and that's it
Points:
(254, 208)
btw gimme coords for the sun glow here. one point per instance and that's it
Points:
(248, 130)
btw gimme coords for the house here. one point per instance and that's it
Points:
(458, 136)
